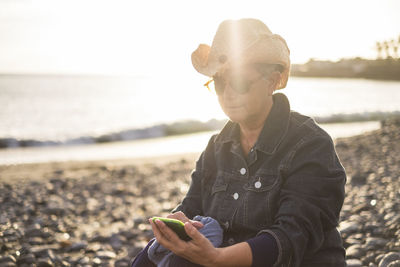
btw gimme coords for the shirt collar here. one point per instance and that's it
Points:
(275, 127)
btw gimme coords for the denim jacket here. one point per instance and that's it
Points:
(290, 185)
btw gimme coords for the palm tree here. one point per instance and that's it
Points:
(386, 47)
(378, 47)
(395, 47)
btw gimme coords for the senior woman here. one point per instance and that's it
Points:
(271, 178)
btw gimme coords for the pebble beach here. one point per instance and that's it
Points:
(95, 213)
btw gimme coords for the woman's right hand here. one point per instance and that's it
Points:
(182, 217)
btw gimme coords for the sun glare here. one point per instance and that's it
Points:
(146, 37)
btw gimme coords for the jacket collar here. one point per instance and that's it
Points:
(275, 127)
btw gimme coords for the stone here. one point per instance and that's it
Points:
(54, 211)
(8, 258)
(65, 264)
(34, 231)
(369, 257)
(133, 251)
(116, 242)
(44, 251)
(78, 246)
(139, 220)
(122, 263)
(374, 243)
(355, 251)
(93, 247)
(358, 179)
(44, 263)
(346, 227)
(26, 259)
(100, 238)
(394, 264)
(96, 261)
(65, 243)
(105, 255)
(353, 263)
(36, 241)
(84, 260)
(133, 234)
(388, 258)
(361, 207)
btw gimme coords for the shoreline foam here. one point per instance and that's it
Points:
(146, 148)
(177, 128)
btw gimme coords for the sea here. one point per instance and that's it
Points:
(87, 117)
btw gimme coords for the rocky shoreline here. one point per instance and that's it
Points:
(370, 218)
(95, 213)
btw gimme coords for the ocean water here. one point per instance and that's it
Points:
(59, 108)
(188, 144)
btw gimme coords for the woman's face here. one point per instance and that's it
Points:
(248, 107)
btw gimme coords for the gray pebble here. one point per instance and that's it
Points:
(388, 258)
(26, 259)
(394, 264)
(353, 263)
(100, 238)
(78, 246)
(84, 260)
(374, 243)
(355, 251)
(122, 263)
(105, 255)
(346, 227)
(116, 242)
(54, 211)
(6, 259)
(44, 263)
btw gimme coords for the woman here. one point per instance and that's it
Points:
(271, 178)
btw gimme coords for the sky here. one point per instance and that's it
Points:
(150, 37)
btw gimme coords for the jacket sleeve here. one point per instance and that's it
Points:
(310, 201)
(191, 204)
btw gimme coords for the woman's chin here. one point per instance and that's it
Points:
(235, 116)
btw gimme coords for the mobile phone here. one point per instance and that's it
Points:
(177, 226)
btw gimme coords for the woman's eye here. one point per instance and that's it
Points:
(240, 84)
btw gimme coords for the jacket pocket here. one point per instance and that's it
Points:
(215, 196)
(261, 183)
(257, 205)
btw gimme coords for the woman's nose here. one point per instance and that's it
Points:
(229, 92)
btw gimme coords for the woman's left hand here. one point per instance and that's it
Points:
(199, 250)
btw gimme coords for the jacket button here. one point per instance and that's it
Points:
(236, 196)
(242, 171)
(257, 184)
(231, 241)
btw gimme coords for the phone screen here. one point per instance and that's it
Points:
(176, 226)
